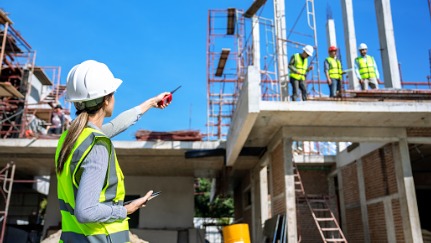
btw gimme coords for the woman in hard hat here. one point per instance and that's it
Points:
(90, 181)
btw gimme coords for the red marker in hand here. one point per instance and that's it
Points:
(168, 98)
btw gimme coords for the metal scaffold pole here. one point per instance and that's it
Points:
(7, 177)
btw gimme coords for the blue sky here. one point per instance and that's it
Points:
(154, 46)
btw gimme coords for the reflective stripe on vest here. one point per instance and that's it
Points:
(301, 66)
(334, 68)
(67, 237)
(113, 191)
(366, 67)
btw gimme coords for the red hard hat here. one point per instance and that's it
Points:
(332, 48)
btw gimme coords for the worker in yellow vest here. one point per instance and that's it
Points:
(90, 181)
(298, 67)
(333, 72)
(366, 69)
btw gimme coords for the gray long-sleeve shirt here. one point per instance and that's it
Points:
(87, 208)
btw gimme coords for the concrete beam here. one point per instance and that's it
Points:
(344, 158)
(344, 134)
(246, 112)
(350, 41)
(387, 44)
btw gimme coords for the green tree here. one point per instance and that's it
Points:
(220, 207)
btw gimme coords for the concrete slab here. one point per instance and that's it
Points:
(164, 158)
(327, 114)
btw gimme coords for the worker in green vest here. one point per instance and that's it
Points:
(298, 67)
(366, 69)
(333, 72)
(90, 181)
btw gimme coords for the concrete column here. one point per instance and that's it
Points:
(52, 215)
(341, 191)
(363, 200)
(263, 179)
(350, 42)
(387, 44)
(289, 182)
(255, 204)
(260, 201)
(389, 220)
(281, 47)
(407, 194)
(330, 33)
(256, 41)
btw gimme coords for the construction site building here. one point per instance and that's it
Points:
(348, 169)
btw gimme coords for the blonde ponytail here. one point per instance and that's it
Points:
(74, 131)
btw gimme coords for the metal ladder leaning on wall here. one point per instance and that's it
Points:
(324, 218)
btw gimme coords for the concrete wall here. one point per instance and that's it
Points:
(173, 209)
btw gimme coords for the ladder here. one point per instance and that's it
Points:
(324, 218)
(52, 97)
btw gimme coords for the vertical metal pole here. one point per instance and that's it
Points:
(313, 27)
(3, 46)
(8, 191)
(281, 48)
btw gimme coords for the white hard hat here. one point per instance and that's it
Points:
(308, 49)
(362, 46)
(90, 80)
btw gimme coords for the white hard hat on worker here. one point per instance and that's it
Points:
(89, 81)
(308, 49)
(362, 46)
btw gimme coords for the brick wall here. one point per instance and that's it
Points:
(307, 228)
(243, 211)
(355, 230)
(277, 181)
(350, 184)
(314, 179)
(380, 181)
(419, 132)
(379, 173)
(398, 221)
(377, 223)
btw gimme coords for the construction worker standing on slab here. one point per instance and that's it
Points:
(333, 72)
(298, 66)
(366, 69)
(90, 181)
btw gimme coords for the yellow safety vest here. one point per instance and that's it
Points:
(113, 192)
(334, 68)
(301, 65)
(366, 68)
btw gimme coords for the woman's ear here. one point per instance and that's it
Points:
(106, 100)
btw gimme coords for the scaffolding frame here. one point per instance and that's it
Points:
(223, 89)
(17, 71)
(7, 179)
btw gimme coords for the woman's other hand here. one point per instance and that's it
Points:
(138, 203)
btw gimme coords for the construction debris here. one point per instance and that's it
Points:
(185, 135)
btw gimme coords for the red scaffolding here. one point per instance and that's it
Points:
(27, 91)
